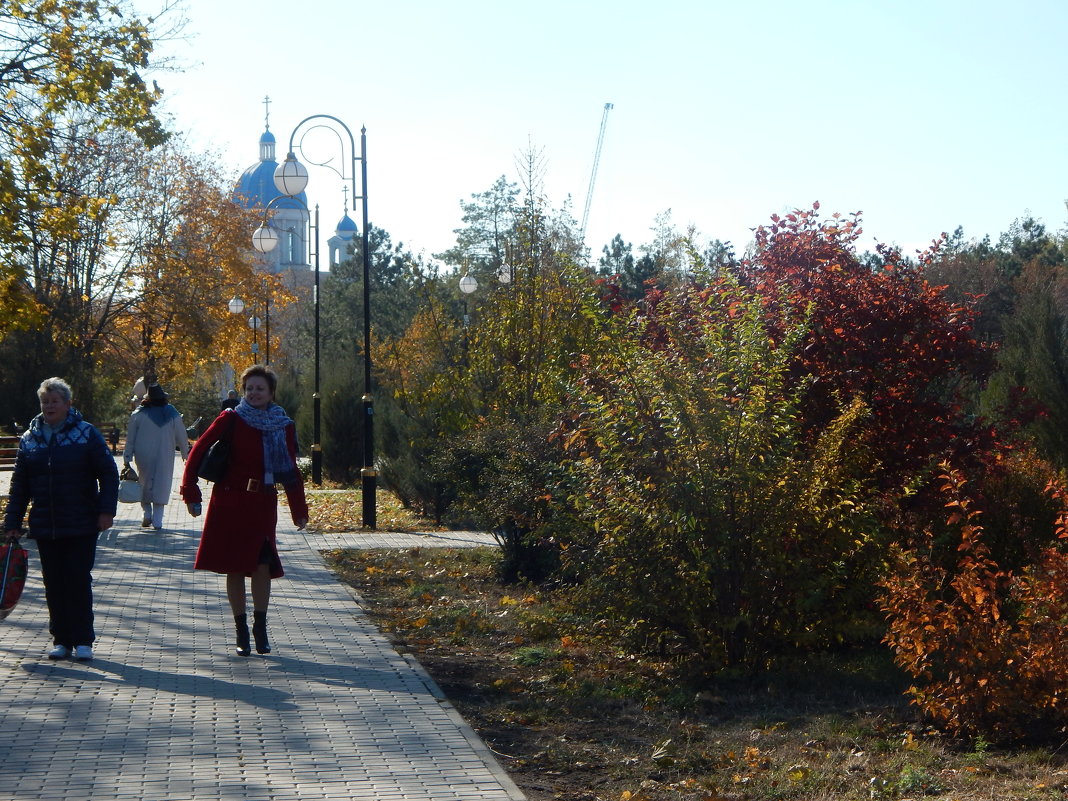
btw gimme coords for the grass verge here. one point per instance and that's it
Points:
(575, 716)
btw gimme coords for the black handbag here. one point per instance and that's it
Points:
(213, 466)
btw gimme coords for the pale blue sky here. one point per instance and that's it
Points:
(923, 114)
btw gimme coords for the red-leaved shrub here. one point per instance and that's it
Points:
(988, 649)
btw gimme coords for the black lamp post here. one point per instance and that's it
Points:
(291, 177)
(236, 306)
(468, 284)
(265, 239)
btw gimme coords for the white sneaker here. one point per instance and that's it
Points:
(59, 652)
(83, 653)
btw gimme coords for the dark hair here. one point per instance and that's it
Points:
(264, 372)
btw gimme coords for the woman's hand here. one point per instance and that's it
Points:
(13, 535)
(104, 522)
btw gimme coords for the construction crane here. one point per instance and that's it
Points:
(593, 173)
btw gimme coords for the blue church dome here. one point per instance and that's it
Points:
(346, 228)
(288, 216)
(255, 188)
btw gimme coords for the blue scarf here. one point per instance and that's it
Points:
(158, 414)
(272, 422)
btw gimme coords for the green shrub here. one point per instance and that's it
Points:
(710, 517)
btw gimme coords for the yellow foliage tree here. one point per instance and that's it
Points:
(188, 246)
(70, 70)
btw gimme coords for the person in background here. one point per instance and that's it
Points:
(231, 401)
(239, 537)
(64, 468)
(154, 431)
(140, 387)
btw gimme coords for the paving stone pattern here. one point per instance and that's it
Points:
(168, 712)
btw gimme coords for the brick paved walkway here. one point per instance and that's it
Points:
(167, 712)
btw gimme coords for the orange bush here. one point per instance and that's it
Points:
(988, 649)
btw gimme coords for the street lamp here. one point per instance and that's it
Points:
(265, 239)
(291, 177)
(468, 284)
(254, 324)
(236, 306)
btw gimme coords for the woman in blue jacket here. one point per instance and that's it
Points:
(65, 468)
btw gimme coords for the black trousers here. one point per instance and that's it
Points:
(66, 570)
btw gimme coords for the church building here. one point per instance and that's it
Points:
(292, 261)
(255, 189)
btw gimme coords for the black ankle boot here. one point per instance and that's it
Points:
(259, 631)
(244, 648)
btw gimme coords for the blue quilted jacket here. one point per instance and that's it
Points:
(70, 480)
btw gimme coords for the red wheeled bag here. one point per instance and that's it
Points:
(13, 566)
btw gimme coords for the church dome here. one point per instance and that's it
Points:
(288, 215)
(255, 188)
(346, 228)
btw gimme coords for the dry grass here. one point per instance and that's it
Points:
(575, 716)
(335, 510)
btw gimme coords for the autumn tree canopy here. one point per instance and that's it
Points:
(70, 70)
(884, 335)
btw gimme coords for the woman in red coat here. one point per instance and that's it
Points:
(239, 530)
